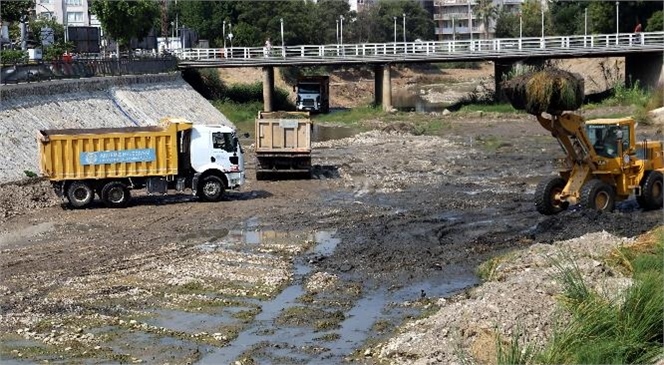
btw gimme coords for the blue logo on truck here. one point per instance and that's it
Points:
(124, 156)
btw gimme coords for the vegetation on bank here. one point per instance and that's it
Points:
(626, 328)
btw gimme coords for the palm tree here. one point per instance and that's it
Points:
(487, 11)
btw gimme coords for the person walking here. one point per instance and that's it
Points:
(268, 47)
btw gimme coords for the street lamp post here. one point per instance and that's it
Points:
(337, 31)
(341, 34)
(470, 23)
(520, 25)
(404, 29)
(542, 11)
(585, 23)
(617, 20)
(395, 29)
(223, 32)
(281, 20)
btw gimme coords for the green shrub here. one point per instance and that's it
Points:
(206, 81)
(10, 56)
(248, 93)
(625, 330)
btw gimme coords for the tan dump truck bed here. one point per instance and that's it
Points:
(283, 132)
(79, 154)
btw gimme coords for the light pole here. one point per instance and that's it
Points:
(520, 25)
(337, 31)
(617, 20)
(282, 32)
(223, 32)
(542, 11)
(395, 29)
(404, 28)
(341, 34)
(585, 23)
(470, 23)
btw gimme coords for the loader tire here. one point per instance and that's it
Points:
(651, 191)
(545, 196)
(115, 194)
(80, 194)
(598, 195)
(211, 189)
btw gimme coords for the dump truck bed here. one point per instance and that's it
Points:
(283, 132)
(79, 154)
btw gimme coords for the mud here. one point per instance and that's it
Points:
(392, 223)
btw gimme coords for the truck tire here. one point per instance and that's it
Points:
(80, 194)
(545, 194)
(211, 189)
(651, 191)
(115, 194)
(598, 195)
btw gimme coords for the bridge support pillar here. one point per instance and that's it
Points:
(268, 88)
(646, 68)
(500, 68)
(386, 99)
(378, 85)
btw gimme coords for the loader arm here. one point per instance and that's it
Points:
(570, 132)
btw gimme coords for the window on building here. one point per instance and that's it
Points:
(73, 2)
(75, 17)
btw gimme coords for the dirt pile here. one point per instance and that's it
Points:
(551, 91)
(24, 196)
(520, 300)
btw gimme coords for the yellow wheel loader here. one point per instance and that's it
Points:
(603, 164)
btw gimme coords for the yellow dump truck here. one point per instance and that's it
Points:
(109, 162)
(283, 143)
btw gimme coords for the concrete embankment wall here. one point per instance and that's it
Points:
(90, 103)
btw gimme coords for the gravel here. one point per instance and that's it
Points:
(519, 300)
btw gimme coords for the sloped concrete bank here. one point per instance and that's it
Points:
(90, 103)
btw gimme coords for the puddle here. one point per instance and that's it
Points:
(268, 343)
(191, 322)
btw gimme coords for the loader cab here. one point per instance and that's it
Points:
(606, 134)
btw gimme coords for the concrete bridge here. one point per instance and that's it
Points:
(643, 54)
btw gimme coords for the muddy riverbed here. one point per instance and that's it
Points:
(294, 271)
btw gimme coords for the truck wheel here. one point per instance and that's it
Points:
(545, 195)
(80, 194)
(598, 195)
(211, 189)
(651, 191)
(115, 194)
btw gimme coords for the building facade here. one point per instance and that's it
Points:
(454, 18)
(67, 12)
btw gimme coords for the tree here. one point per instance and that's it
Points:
(487, 12)
(567, 18)
(531, 11)
(125, 19)
(11, 11)
(507, 24)
(601, 17)
(655, 22)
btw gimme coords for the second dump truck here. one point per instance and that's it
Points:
(312, 94)
(109, 162)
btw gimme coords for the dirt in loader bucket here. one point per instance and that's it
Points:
(551, 90)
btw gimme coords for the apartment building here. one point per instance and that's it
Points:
(67, 12)
(455, 17)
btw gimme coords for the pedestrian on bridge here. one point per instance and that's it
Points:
(267, 51)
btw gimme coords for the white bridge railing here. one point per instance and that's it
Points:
(558, 45)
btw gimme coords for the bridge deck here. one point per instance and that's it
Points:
(411, 52)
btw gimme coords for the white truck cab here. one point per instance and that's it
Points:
(216, 147)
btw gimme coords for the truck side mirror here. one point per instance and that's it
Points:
(294, 88)
(246, 135)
